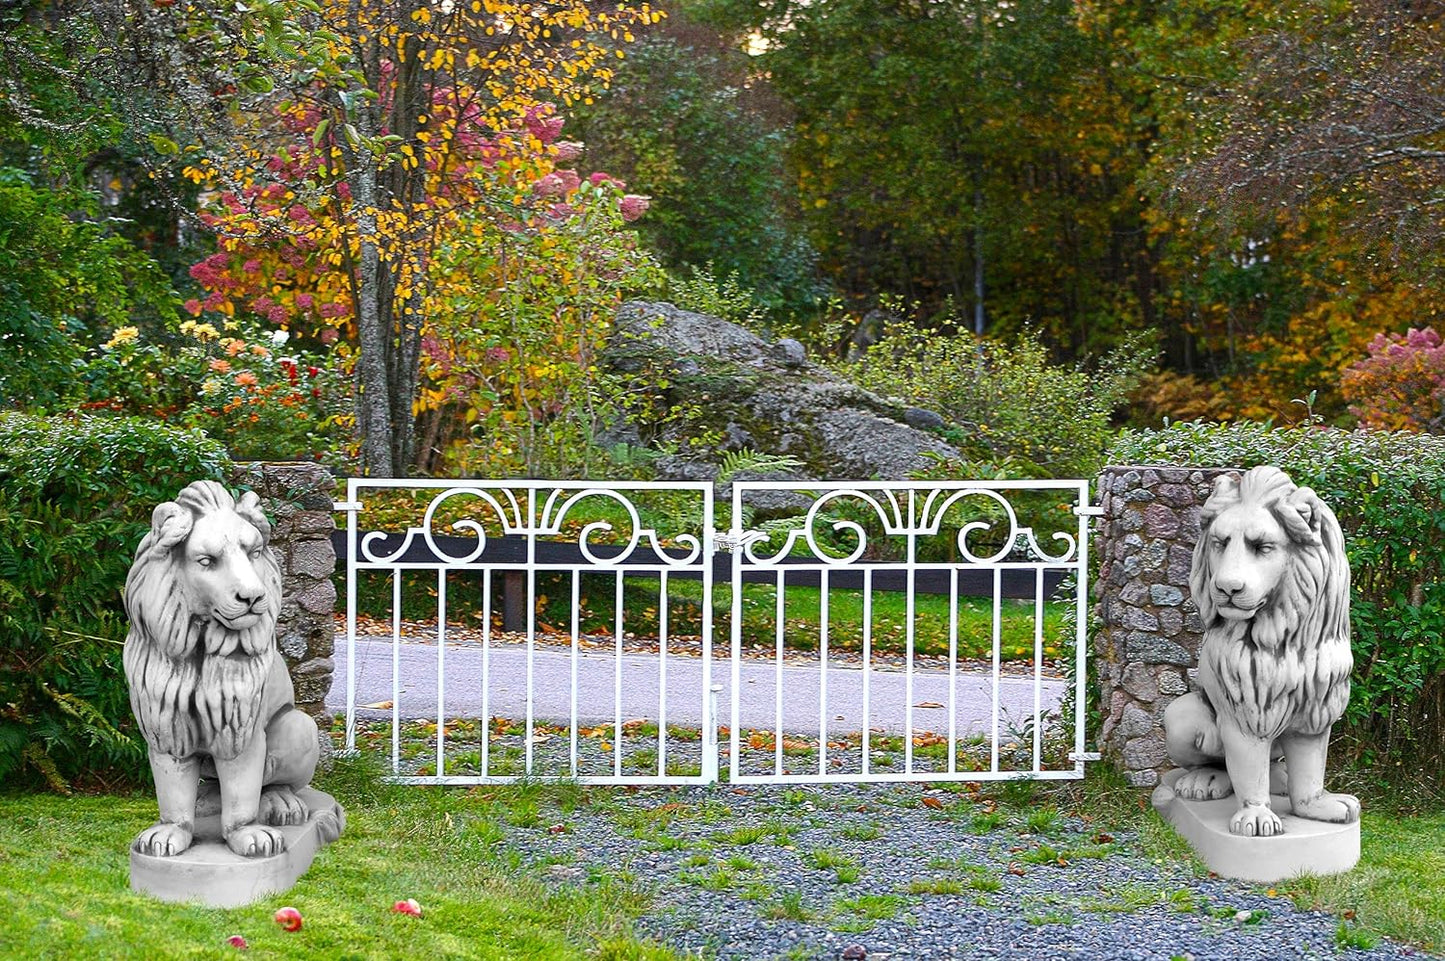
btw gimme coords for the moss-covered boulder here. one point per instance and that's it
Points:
(712, 378)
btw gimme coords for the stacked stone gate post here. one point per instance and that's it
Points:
(1147, 646)
(298, 498)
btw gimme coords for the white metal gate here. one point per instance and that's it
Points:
(507, 689)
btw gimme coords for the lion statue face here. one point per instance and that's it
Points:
(217, 570)
(203, 596)
(1271, 559)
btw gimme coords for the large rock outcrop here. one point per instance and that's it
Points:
(766, 397)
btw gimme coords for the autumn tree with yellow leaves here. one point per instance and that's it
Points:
(400, 122)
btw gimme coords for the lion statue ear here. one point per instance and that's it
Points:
(170, 524)
(249, 507)
(1305, 514)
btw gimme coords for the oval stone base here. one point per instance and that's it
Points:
(1305, 847)
(209, 873)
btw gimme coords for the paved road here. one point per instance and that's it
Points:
(640, 688)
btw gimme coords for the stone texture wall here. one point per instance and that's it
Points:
(1147, 649)
(298, 498)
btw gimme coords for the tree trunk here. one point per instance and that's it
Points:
(373, 401)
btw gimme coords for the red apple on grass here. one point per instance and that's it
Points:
(289, 919)
(409, 906)
(238, 942)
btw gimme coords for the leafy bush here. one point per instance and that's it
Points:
(240, 383)
(76, 494)
(1401, 385)
(1010, 397)
(1388, 490)
(60, 277)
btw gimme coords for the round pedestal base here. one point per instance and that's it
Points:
(210, 873)
(1305, 847)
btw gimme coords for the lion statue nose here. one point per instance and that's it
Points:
(250, 598)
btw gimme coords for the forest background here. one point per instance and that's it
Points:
(392, 233)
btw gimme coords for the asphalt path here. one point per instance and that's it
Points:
(639, 678)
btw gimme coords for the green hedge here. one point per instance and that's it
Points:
(1388, 490)
(76, 495)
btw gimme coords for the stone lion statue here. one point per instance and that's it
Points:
(1272, 584)
(207, 685)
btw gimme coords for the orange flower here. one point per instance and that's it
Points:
(234, 347)
(246, 379)
(221, 366)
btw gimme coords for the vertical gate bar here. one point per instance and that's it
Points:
(867, 657)
(1081, 631)
(617, 679)
(997, 666)
(908, 643)
(662, 674)
(778, 685)
(486, 670)
(531, 617)
(952, 669)
(395, 670)
(1038, 666)
(823, 679)
(576, 634)
(708, 768)
(735, 522)
(351, 552)
(441, 669)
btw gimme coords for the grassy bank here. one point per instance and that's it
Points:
(64, 867)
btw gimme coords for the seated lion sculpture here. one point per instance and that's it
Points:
(1272, 584)
(207, 685)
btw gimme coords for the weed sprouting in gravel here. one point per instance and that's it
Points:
(1352, 936)
(789, 907)
(935, 886)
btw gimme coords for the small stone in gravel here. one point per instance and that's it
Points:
(854, 952)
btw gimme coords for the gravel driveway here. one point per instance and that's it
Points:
(783, 872)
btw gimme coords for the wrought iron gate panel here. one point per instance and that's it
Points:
(843, 530)
(540, 513)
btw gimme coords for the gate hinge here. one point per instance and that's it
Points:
(346, 506)
(1084, 756)
(1088, 511)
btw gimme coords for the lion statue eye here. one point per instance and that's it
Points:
(206, 561)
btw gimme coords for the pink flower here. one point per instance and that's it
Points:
(193, 307)
(261, 304)
(600, 178)
(567, 150)
(498, 355)
(329, 335)
(304, 301)
(301, 215)
(276, 314)
(214, 300)
(332, 310)
(542, 123)
(633, 206)
(549, 186)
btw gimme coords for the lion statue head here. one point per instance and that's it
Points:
(1271, 555)
(203, 596)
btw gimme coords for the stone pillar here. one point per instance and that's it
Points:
(298, 499)
(1147, 649)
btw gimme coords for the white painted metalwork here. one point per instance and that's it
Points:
(539, 511)
(898, 518)
(854, 538)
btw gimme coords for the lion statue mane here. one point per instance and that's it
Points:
(208, 687)
(1272, 584)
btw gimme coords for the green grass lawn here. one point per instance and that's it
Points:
(64, 867)
(802, 614)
